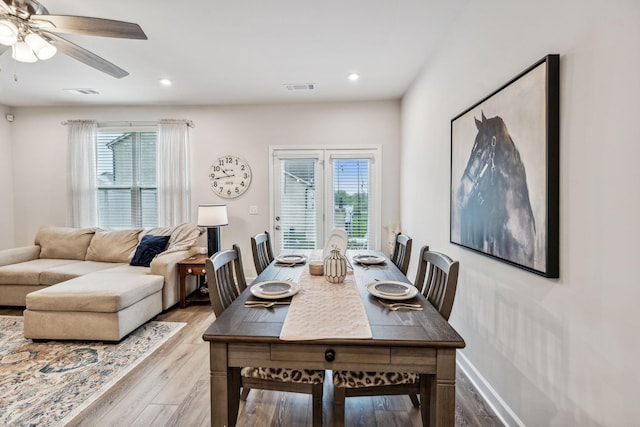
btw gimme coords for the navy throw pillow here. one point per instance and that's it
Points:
(149, 247)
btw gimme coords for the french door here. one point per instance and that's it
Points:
(314, 191)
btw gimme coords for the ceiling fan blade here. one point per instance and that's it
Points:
(4, 6)
(86, 57)
(89, 26)
(23, 8)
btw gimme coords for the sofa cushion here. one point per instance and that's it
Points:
(112, 245)
(183, 236)
(96, 292)
(59, 274)
(126, 268)
(28, 272)
(148, 248)
(64, 242)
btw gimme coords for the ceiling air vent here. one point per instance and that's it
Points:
(300, 86)
(82, 91)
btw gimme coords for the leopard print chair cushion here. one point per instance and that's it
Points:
(358, 379)
(306, 376)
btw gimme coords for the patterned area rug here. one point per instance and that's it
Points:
(49, 383)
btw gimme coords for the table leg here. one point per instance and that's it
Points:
(442, 402)
(183, 290)
(425, 397)
(225, 388)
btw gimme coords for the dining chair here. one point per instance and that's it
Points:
(262, 252)
(226, 279)
(437, 280)
(402, 252)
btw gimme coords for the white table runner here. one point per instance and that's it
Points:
(322, 310)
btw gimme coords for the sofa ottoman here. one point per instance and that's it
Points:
(98, 306)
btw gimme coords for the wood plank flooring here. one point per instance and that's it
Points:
(171, 388)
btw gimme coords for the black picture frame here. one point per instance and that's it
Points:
(505, 172)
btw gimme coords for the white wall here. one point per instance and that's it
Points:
(39, 144)
(558, 352)
(7, 239)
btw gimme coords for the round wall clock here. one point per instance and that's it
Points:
(230, 177)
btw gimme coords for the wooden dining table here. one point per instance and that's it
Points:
(403, 341)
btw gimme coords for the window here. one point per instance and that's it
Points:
(126, 179)
(350, 211)
(298, 214)
(316, 191)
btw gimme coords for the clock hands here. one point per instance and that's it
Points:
(226, 175)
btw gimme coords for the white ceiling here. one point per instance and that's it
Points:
(239, 51)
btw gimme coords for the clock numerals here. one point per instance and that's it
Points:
(230, 176)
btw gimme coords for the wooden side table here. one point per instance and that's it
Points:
(192, 266)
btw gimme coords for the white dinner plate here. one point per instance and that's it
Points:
(273, 287)
(338, 239)
(390, 289)
(369, 259)
(266, 289)
(291, 259)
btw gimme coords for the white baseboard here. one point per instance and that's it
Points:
(493, 399)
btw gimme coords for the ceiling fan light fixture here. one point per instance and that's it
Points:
(21, 52)
(40, 46)
(8, 32)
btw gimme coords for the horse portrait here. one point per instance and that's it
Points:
(492, 197)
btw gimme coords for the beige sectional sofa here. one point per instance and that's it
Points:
(77, 283)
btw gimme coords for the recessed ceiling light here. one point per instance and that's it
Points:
(165, 82)
(353, 77)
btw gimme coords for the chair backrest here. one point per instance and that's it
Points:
(402, 252)
(225, 278)
(437, 279)
(262, 253)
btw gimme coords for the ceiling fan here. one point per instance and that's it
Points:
(31, 33)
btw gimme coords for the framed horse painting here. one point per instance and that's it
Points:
(505, 170)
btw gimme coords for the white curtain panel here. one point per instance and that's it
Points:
(174, 186)
(81, 173)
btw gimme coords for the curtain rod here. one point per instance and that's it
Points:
(131, 124)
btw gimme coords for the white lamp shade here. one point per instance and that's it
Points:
(23, 53)
(212, 215)
(40, 46)
(8, 32)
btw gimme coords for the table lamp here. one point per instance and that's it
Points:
(212, 217)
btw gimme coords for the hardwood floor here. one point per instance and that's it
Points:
(171, 388)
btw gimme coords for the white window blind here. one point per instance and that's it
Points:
(126, 179)
(317, 190)
(351, 199)
(298, 195)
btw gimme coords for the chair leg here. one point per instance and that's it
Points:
(425, 397)
(414, 400)
(245, 393)
(316, 404)
(338, 406)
